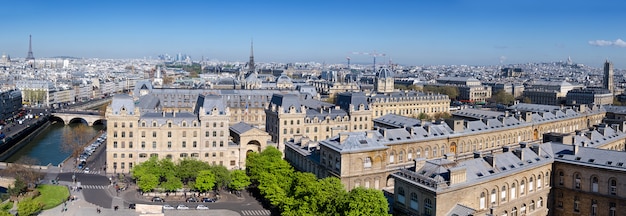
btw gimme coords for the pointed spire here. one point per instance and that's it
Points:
(30, 49)
(251, 67)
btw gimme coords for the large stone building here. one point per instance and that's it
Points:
(289, 115)
(10, 104)
(566, 174)
(597, 96)
(143, 129)
(470, 89)
(549, 92)
(368, 158)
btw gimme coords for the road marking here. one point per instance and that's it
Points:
(101, 187)
(263, 212)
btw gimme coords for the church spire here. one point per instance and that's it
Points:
(251, 67)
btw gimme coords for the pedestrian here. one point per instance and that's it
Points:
(98, 210)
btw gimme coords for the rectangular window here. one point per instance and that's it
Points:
(154, 134)
(169, 134)
(115, 144)
(221, 143)
(154, 144)
(232, 163)
(143, 134)
(130, 144)
(195, 144)
(130, 134)
(184, 144)
(169, 144)
(184, 133)
(143, 144)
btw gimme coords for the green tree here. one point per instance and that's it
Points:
(149, 167)
(205, 181)
(222, 175)
(187, 169)
(28, 207)
(166, 168)
(400, 87)
(171, 183)
(451, 91)
(503, 97)
(362, 201)
(5, 213)
(415, 88)
(423, 116)
(19, 187)
(147, 182)
(238, 180)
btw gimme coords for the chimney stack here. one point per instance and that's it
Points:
(505, 149)
(477, 154)
(575, 149)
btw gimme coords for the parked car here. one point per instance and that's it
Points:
(191, 199)
(87, 170)
(202, 207)
(181, 207)
(157, 199)
(206, 199)
(168, 207)
(132, 206)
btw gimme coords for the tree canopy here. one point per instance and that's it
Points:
(238, 180)
(298, 193)
(451, 91)
(205, 181)
(503, 97)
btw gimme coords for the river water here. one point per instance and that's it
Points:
(46, 147)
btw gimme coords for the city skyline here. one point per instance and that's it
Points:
(409, 33)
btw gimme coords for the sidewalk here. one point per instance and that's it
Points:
(80, 207)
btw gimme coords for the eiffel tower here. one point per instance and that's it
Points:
(30, 49)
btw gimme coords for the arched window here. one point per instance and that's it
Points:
(540, 202)
(143, 155)
(522, 188)
(435, 151)
(367, 163)
(513, 191)
(613, 186)
(531, 185)
(514, 211)
(401, 156)
(561, 178)
(539, 181)
(409, 156)
(183, 155)
(594, 184)
(428, 207)
(414, 203)
(532, 205)
(503, 194)
(391, 157)
(482, 200)
(493, 197)
(522, 210)
(401, 195)
(577, 180)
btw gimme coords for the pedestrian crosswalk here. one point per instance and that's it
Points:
(263, 212)
(101, 187)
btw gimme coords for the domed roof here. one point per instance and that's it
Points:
(384, 73)
(283, 78)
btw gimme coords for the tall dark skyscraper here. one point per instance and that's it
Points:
(30, 48)
(251, 67)
(608, 76)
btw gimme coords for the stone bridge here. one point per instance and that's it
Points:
(69, 116)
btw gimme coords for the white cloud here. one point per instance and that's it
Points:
(617, 43)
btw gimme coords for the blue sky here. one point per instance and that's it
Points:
(472, 32)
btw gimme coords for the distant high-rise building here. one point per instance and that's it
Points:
(608, 76)
(30, 49)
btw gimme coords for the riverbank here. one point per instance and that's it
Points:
(19, 136)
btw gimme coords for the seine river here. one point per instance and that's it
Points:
(46, 147)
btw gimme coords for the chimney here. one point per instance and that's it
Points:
(343, 137)
(427, 128)
(575, 149)
(163, 113)
(536, 149)
(448, 156)
(523, 144)
(506, 113)
(457, 175)
(491, 160)
(419, 163)
(527, 116)
(519, 153)
(455, 124)
(477, 154)
(505, 149)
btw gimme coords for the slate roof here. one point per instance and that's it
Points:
(120, 101)
(285, 101)
(461, 210)
(241, 128)
(353, 142)
(594, 157)
(162, 118)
